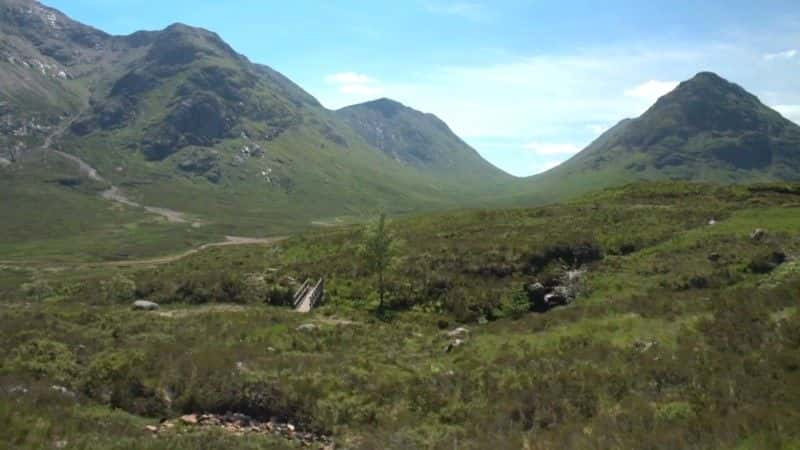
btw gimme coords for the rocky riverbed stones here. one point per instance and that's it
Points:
(243, 425)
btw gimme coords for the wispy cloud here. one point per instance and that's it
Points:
(466, 10)
(788, 54)
(651, 90)
(558, 103)
(354, 83)
(549, 149)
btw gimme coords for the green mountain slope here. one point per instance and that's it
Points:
(177, 119)
(417, 139)
(707, 129)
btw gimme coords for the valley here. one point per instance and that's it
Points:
(650, 351)
(196, 253)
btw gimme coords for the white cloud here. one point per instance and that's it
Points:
(353, 83)
(788, 54)
(651, 90)
(791, 112)
(549, 149)
(566, 98)
(348, 78)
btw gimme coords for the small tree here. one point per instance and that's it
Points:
(378, 249)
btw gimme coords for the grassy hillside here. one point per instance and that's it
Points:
(707, 129)
(420, 140)
(52, 214)
(177, 119)
(684, 334)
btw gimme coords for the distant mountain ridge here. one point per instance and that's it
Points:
(419, 139)
(707, 129)
(177, 118)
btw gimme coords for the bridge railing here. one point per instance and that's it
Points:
(301, 293)
(314, 294)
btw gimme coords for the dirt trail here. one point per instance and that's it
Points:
(85, 169)
(113, 193)
(229, 241)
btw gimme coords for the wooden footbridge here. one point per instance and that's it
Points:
(308, 296)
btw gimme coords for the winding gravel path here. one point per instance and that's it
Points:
(113, 193)
(229, 241)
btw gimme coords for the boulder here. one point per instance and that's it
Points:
(574, 276)
(643, 346)
(454, 344)
(307, 327)
(535, 291)
(458, 332)
(144, 305)
(189, 419)
(62, 390)
(767, 263)
(555, 299)
(758, 234)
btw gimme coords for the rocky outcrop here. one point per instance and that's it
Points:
(565, 291)
(144, 305)
(242, 425)
(201, 162)
(758, 234)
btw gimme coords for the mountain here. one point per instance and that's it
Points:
(177, 119)
(421, 140)
(707, 129)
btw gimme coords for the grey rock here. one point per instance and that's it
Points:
(144, 305)
(454, 344)
(458, 332)
(18, 390)
(62, 390)
(643, 346)
(758, 234)
(561, 295)
(536, 291)
(307, 327)
(574, 276)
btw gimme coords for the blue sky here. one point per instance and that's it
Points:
(527, 83)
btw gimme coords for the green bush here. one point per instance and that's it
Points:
(674, 412)
(515, 305)
(117, 378)
(37, 290)
(46, 359)
(119, 289)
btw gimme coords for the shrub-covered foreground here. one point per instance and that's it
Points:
(682, 335)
